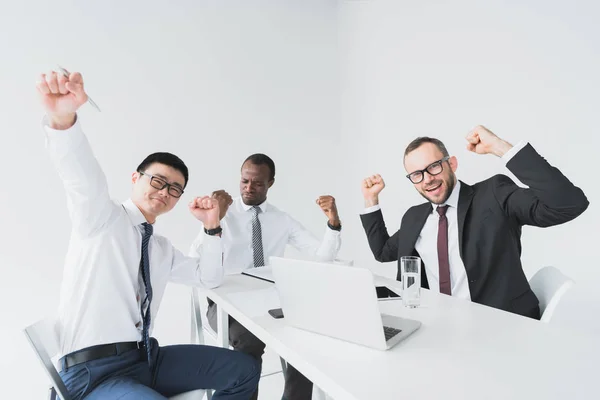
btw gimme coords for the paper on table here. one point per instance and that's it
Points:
(265, 273)
(255, 303)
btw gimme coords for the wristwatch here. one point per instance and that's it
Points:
(213, 232)
(334, 228)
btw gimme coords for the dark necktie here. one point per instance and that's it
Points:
(442, 249)
(257, 247)
(145, 269)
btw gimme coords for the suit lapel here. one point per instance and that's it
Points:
(464, 203)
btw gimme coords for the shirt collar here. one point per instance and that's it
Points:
(135, 215)
(263, 206)
(453, 198)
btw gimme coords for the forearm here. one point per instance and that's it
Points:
(203, 266)
(84, 182)
(383, 247)
(548, 183)
(330, 245)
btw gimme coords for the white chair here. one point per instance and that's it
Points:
(43, 337)
(549, 285)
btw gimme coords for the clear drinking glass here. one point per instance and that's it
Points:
(411, 281)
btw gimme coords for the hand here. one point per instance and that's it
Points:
(61, 97)
(207, 210)
(483, 141)
(327, 204)
(371, 187)
(224, 200)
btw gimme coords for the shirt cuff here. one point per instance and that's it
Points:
(371, 209)
(62, 138)
(512, 152)
(211, 241)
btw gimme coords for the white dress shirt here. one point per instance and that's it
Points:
(99, 300)
(278, 230)
(426, 244)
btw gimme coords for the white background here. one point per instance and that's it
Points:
(332, 91)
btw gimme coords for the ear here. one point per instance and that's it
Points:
(134, 177)
(453, 163)
(271, 182)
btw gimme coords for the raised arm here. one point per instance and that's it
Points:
(204, 266)
(551, 198)
(89, 203)
(329, 246)
(383, 246)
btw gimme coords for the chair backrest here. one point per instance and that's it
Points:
(43, 338)
(549, 285)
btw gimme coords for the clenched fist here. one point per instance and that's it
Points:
(224, 200)
(483, 141)
(206, 209)
(61, 97)
(371, 187)
(327, 204)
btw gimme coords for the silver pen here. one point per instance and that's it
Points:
(66, 73)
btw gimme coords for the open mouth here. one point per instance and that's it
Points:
(434, 190)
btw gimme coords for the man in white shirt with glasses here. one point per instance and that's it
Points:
(116, 271)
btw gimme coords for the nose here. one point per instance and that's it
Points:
(164, 192)
(427, 177)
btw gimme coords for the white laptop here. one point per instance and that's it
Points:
(336, 301)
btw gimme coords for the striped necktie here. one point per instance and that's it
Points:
(257, 246)
(145, 269)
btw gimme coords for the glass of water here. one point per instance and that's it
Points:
(411, 281)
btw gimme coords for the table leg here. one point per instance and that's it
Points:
(223, 327)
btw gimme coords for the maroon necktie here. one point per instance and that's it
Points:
(442, 248)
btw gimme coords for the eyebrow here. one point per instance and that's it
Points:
(424, 169)
(165, 178)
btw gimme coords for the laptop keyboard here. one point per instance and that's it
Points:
(390, 332)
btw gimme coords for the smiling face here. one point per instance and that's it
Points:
(151, 201)
(438, 179)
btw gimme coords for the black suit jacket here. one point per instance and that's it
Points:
(491, 214)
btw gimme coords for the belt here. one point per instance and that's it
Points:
(96, 352)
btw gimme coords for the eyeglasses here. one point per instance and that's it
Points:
(432, 169)
(160, 184)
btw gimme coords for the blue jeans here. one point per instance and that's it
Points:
(176, 369)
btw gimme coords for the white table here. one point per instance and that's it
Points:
(462, 351)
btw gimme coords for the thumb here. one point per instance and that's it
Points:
(75, 88)
(471, 147)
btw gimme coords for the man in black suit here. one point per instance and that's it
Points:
(468, 237)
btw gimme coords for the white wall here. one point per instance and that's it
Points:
(528, 70)
(210, 81)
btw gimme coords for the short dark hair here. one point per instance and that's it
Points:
(262, 159)
(418, 142)
(167, 159)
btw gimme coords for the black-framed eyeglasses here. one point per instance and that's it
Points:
(435, 168)
(159, 183)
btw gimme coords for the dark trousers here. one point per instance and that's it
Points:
(176, 369)
(297, 386)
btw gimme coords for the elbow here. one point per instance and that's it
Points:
(214, 283)
(578, 203)
(379, 256)
(582, 203)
